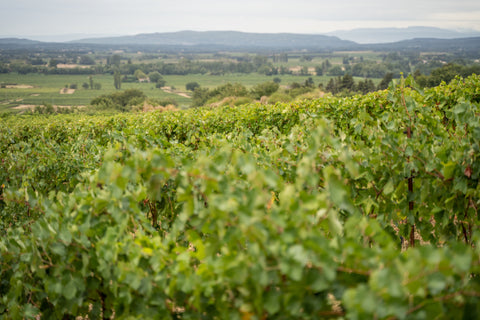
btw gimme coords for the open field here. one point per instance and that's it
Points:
(248, 80)
(46, 89)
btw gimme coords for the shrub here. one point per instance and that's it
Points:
(120, 100)
(279, 97)
(264, 89)
(191, 86)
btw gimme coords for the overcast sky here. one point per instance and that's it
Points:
(127, 17)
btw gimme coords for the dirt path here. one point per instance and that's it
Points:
(67, 91)
(18, 86)
(32, 106)
(170, 90)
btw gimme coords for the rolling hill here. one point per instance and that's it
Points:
(212, 41)
(385, 35)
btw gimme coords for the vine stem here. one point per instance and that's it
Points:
(410, 191)
(410, 179)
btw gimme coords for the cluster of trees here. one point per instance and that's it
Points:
(262, 64)
(272, 64)
(122, 101)
(23, 68)
(127, 100)
(238, 94)
(202, 96)
(347, 84)
(391, 63)
(48, 108)
(91, 84)
(445, 73)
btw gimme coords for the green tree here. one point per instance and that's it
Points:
(347, 83)
(259, 60)
(264, 89)
(37, 62)
(385, 81)
(336, 71)
(332, 86)
(160, 83)
(87, 60)
(326, 65)
(117, 80)
(229, 90)
(200, 96)
(309, 82)
(122, 100)
(154, 76)
(115, 60)
(304, 71)
(365, 86)
(191, 86)
(139, 74)
(52, 63)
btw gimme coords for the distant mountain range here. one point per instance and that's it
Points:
(414, 38)
(360, 35)
(17, 41)
(230, 39)
(385, 35)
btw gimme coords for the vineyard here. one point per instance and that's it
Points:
(364, 207)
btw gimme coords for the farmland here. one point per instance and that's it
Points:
(92, 73)
(356, 207)
(47, 88)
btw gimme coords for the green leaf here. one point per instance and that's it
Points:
(436, 283)
(69, 290)
(460, 108)
(298, 253)
(272, 302)
(389, 187)
(31, 311)
(66, 236)
(449, 169)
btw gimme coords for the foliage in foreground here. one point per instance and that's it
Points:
(285, 212)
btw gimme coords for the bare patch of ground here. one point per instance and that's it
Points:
(18, 86)
(67, 91)
(24, 107)
(32, 106)
(70, 66)
(178, 93)
(295, 69)
(298, 70)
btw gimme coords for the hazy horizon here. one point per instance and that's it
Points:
(32, 18)
(338, 33)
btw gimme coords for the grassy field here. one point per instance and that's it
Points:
(47, 89)
(248, 80)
